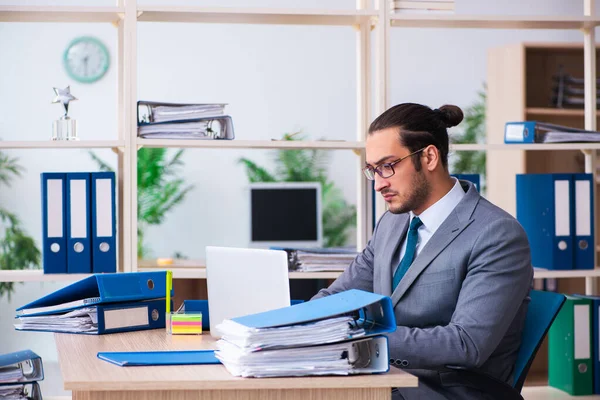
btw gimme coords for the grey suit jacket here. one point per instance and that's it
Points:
(463, 300)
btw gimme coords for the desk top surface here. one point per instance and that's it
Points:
(83, 370)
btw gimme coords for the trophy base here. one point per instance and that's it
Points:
(64, 129)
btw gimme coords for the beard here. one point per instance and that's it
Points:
(418, 193)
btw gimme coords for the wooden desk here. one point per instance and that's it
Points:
(93, 379)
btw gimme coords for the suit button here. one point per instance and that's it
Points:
(398, 363)
(392, 361)
(404, 363)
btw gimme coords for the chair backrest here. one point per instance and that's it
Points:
(542, 311)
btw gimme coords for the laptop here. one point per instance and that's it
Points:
(244, 281)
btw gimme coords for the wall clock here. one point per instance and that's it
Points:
(86, 59)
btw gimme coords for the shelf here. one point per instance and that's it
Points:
(60, 14)
(200, 273)
(554, 112)
(491, 21)
(223, 15)
(547, 392)
(576, 273)
(80, 144)
(253, 144)
(541, 146)
(37, 276)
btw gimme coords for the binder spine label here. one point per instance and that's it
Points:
(562, 208)
(582, 332)
(54, 208)
(126, 317)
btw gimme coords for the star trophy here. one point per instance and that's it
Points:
(64, 128)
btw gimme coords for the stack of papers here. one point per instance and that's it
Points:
(83, 320)
(16, 392)
(320, 332)
(10, 374)
(336, 335)
(313, 261)
(165, 113)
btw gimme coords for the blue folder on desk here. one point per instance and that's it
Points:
(100, 289)
(373, 312)
(145, 358)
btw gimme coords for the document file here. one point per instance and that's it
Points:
(542, 132)
(20, 367)
(79, 255)
(360, 356)
(100, 319)
(595, 324)
(54, 222)
(131, 359)
(103, 220)
(570, 348)
(100, 289)
(556, 211)
(353, 313)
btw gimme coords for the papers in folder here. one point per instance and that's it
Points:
(83, 320)
(338, 334)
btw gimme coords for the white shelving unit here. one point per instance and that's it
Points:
(127, 14)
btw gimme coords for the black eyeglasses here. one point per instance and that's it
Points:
(385, 170)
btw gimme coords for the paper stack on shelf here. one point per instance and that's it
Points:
(19, 375)
(319, 259)
(422, 6)
(340, 334)
(183, 121)
(568, 91)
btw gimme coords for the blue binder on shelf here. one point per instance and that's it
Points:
(144, 358)
(100, 319)
(100, 289)
(54, 222)
(20, 367)
(556, 211)
(103, 222)
(371, 311)
(79, 251)
(543, 132)
(475, 179)
(595, 339)
(583, 202)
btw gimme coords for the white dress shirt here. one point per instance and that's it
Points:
(434, 216)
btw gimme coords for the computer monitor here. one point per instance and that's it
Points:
(286, 214)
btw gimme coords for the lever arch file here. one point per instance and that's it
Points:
(79, 252)
(54, 222)
(103, 220)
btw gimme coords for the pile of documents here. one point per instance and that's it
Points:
(568, 91)
(341, 334)
(99, 304)
(422, 6)
(19, 375)
(319, 259)
(183, 121)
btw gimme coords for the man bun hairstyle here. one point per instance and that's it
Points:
(450, 115)
(419, 126)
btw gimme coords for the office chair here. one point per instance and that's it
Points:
(542, 311)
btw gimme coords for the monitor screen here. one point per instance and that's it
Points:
(286, 214)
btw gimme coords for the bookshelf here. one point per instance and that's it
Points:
(508, 78)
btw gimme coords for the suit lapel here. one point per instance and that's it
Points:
(456, 222)
(393, 242)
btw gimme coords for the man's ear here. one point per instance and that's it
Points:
(431, 157)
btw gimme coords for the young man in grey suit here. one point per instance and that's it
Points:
(458, 268)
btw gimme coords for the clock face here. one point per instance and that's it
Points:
(86, 59)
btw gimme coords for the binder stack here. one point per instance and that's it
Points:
(100, 304)
(183, 121)
(20, 373)
(557, 213)
(79, 233)
(568, 91)
(342, 334)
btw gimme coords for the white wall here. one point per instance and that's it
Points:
(276, 79)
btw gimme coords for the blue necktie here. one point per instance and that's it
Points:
(412, 237)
